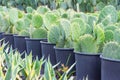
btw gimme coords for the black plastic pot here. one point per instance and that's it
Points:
(34, 46)
(48, 51)
(65, 56)
(9, 38)
(1, 37)
(20, 43)
(88, 65)
(110, 69)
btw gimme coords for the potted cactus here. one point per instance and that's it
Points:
(7, 26)
(110, 62)
(47, 47)
(21, 27)
(37, 33)
(110, 58)
(60, 36)
(86, 47)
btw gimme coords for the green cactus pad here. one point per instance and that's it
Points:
(78, 27)
(56, 35)
(42, 9)
(117, 35)
(50, 19)
(111, 50)
(39, 33)
(108, 35)
(37, 20)
(19, 25)
(108, 11)
(24, 33)
(88, 44)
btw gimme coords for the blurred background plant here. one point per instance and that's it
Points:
(79, 5)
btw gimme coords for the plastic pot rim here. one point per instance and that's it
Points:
(87, 54)
(57, 48)
(109, 59)
(21, 36)
(33, 39)
(46, 42)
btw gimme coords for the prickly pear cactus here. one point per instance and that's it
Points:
(56, 35)
(108, 11)
(13, 15)
(24, 33)
(50, 19)
(108, 35)
(99, 34)
(37, 20)
(111, 50)
(88, 44)
(29, 9)
(42, 9)
(39, 33)
(19, 25)
(117, 35)
(78, 28)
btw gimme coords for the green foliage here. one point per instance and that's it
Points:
(39, 33)
(56, 35)
(111, 50)
(42, 9)
(108, 11)
(78, 28)
(16, 68)
(24, 33)
(88, 44)
(37, 20)
(50, 19)
(117, 35)
(109, 35)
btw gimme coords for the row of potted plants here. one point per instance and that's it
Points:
(67, 36)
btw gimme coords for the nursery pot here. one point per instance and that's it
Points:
(9, 38)
(20, 43)
(65, 56)
(34, 46)
(48, 51)
(110, 69)
(1, 37)
(88, 65)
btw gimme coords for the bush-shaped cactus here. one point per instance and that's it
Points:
(112, 50)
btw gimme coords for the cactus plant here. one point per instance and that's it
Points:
(111, 50)
(108, 11)
(37, 20)
(90, 43)
(116, 35)
(37, 30)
